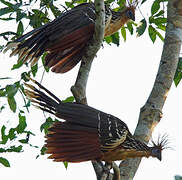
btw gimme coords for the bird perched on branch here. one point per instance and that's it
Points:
(65, 38)
(87, 133)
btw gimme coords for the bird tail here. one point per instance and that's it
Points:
(40, 99)
(69, 140)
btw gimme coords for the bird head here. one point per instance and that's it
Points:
(130, 13)
(156, 152)
(131, 6)
(156, 149)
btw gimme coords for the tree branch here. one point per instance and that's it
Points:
(79, 88)
(151, 112)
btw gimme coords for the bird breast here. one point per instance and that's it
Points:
(122, 154)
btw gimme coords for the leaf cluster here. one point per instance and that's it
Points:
(156, 21)
(15, 135)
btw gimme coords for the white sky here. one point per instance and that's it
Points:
(120, 82)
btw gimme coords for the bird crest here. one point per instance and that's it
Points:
(162, 142)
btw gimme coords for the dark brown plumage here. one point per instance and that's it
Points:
(65, 38)
(87, 133)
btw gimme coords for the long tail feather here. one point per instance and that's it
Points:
(71, 112)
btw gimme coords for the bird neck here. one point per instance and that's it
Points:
(122, 154)
(118, 19)
(117, 16)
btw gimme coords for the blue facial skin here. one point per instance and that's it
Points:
(156, 152)
(130, 15)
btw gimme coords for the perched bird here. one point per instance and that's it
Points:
(65, 38)
(87, 133)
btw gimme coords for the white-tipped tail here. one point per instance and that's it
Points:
(12, 45)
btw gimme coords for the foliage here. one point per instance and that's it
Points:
(156, 21)
(177, 177)
(33, 14)
(178, 74)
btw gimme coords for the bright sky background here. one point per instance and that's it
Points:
(120, 82)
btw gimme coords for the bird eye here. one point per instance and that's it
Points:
(155, 151)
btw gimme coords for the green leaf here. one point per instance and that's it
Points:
(177, 177)
(130, 27)
(43, 62)
(8, 33)
(115, 38)
(141, 27)
(29, 132)
(12, 103)
(162, 27)
(11, 90)
(160, 20)
(20, 15)
(18, 65)
(5, 35)
(155, 7)
(43, 150)
(5, 78)
(7, 19)
(4, 138)
(23, 141)
(6, 3)
(161, 12)
(34, 69)
(4, 162)
(178, 74)
(22, 124)
(69, 99)
(12, 134)
(46, 125)
(5, 10)
(15, 149)
(65, 164)
(55, 11)
(152, 33)
(143, 1)
(108, 39)
(1, 108)
(3, 92)
(2, 150)
(69, 4)
(123, 33)
(159, 35)
(20, 28)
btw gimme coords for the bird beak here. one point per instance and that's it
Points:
(159, 157)
(133, 18)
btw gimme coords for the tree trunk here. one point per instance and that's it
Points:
(151, 112)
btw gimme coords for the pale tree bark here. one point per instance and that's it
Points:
(151, 112)
(79, 88)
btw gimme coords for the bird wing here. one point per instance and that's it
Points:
(72, 143)
(112, 131)
(64, 39)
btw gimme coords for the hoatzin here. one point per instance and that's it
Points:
(87, 133)
(65, 38)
